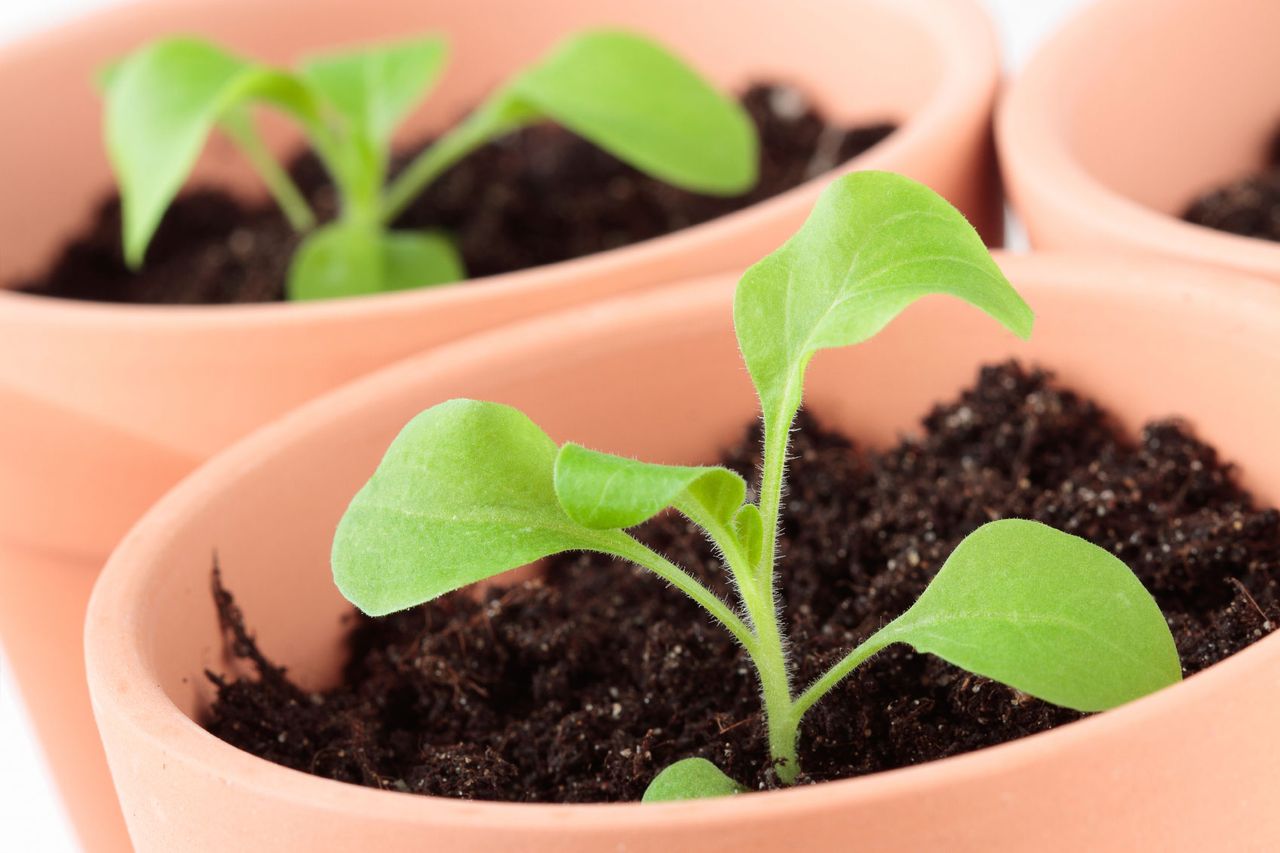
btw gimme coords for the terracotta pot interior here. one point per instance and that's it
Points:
(1170, 100)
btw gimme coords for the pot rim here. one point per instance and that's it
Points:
(1032, 146)
(121, 679)
(959, 31)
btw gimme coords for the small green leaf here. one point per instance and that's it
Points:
(413, 259)
(374, 88)
(690, 779)
(465, 492)
(645, 106)
(350, 260)
(749, 529)
(334, 261)
(874, 243)
(603, 491)
(161, 104)
(1046, 612)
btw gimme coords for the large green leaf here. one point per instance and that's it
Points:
(603, 491)
(375, 87)
(874, 243)
(351, 260)
(161, 104)
(645, 106)
(690, 779)
(1046, 612)
(464, 492)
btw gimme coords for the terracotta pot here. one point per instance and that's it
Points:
(658, 375)
(1132, 110)
(106, 406)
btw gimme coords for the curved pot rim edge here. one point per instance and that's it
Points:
(1034, 153)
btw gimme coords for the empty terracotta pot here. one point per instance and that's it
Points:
(105, 406)
(658, 376)
(1131, 111)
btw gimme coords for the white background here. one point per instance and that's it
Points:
(31, 817)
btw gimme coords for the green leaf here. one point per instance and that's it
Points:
(645, 106)
(622, 92)
(335, 261)
(690, 779)
(749, 528)
(412, 259)
(874, 243)
(161, 104)
(351, 260)
(1046, 612)
(374, 88)
(465, 492)
(603, 491)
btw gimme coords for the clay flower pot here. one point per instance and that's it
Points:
(1131, 111)
(106, 406)
(658, 376)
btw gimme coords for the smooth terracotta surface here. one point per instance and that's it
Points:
(104, 406)
(1131, 111)
(657, 375)
(45, 669)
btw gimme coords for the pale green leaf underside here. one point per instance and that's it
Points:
(375, 87)
(874, 243)
(161, 104)
(603, 491)
(348, 260)
(1046, 612)
(645, 106)
(690, 779)
(463, 493)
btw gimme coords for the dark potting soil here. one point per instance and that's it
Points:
(1249, 206)
(538, 196)
(583, 685)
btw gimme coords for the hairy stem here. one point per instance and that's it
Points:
(628, 548)
(239, 127)
(498, 116)
(775, 675)
(770, 661)
(773, 468)
(756, 586)
(847, 664)
(783, 721)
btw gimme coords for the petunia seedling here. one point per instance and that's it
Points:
(470, 489)
(619, 90)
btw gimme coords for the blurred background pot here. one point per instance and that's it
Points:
(1131, 111)
(105, 406)
(658, 376)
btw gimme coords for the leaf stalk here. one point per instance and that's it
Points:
(239, 127)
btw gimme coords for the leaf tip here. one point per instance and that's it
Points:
(1024, 321)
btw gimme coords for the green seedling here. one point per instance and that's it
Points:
(470, 489)
(619, 90)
